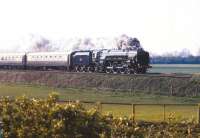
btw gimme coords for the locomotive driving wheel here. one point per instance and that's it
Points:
(127, 71)
(90, 69)
(83, 69)
(77, 69)
(122, 71)
(109, 71)
(114, 71)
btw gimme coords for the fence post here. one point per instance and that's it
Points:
(132, 87)
(99, 107)
(198, 114)
(164, 113)
(133, 112)
(171, 89)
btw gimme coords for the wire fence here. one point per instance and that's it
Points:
(148, 112)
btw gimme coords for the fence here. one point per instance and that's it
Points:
(150, 112)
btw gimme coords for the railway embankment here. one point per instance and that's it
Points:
(163, 84)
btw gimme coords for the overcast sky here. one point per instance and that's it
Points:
(161, 25)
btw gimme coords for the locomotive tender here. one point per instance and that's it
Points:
(124, 61)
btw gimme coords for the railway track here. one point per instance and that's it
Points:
(169, 75)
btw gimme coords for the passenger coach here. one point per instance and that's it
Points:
(12, 60)
(48, 60)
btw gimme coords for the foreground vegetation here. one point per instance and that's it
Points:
(24, 117)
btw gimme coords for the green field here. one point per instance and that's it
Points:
(154, 113)
(175, 68)
(14, 90)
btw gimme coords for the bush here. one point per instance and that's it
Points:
(26, 118)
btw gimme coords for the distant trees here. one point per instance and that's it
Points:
(182, 57)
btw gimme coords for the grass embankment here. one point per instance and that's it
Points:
(142, 112)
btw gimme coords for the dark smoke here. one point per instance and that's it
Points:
(42, 45)
(127, 42)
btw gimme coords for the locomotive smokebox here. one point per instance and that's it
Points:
(143, 57)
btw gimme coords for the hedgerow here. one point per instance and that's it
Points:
(46, 118)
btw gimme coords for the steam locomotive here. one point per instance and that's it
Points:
(133, 60)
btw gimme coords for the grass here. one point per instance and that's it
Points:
(175, 68)
(154, 113)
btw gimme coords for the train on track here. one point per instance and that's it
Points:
(134, 60)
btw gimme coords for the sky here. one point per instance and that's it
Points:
(160, 25)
